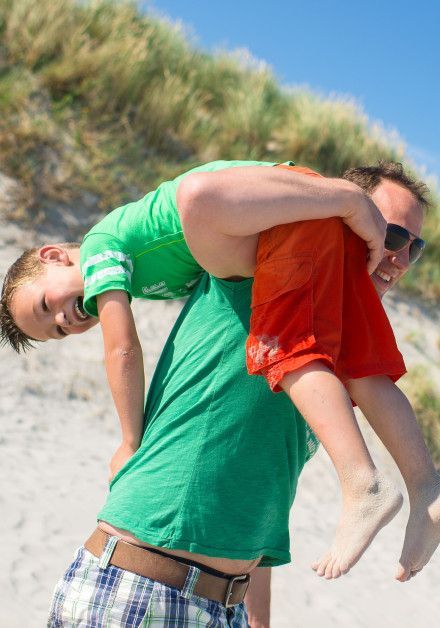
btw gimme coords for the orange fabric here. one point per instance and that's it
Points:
(313, 299)
(300, 169)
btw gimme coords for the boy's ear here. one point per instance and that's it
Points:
(53, 254)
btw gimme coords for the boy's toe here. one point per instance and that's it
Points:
(403, 571)
(329, 569)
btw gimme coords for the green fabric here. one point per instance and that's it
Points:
(218, 466)
(140, 247)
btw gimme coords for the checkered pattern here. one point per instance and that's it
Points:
(312, 443)
(91, 597)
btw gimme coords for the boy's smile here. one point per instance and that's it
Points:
(51, 305)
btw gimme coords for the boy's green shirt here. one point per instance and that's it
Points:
(140, 247)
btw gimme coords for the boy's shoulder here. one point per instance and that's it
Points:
(160, 204)
(154, 218)
(223, 164)
(112, 222)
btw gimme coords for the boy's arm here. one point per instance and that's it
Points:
(125, 370)
(221, 210)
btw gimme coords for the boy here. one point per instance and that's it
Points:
(108, 264)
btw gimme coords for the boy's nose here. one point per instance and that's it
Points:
(60, 319)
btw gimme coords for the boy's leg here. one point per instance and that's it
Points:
(401, 435)
(294, 342)
(369, 500)
(374, 354)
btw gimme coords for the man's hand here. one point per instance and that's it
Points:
(257, 598)
(123, 453)
(365, 219)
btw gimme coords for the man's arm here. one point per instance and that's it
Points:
(222, 211)
(125, 370)
(257, 598)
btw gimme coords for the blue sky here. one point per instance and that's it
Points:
(384, 54)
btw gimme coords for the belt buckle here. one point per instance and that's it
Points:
(246, 578)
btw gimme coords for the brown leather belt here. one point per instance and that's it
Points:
(228, 590)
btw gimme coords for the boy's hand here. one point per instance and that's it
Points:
(123, 453)
(125, 372)
(365, 219)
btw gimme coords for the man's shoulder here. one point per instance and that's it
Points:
(213, 297)
(231, 285)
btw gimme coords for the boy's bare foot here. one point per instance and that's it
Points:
(422, 531)
(366, 510)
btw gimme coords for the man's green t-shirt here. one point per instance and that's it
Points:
(217, 469)
(140, 247)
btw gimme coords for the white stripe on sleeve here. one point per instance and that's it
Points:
(106, 255)
(105, 272)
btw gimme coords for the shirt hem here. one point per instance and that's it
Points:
(271, 557)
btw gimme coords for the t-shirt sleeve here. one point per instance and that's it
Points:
(105, 265)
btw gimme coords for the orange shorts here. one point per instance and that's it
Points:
(313, 299)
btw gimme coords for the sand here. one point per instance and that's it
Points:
(59, 430)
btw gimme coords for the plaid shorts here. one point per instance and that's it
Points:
(93, 595)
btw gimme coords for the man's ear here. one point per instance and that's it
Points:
(53, 254)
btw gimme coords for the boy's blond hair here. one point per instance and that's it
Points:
(27, 268)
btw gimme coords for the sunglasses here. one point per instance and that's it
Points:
(397, 238)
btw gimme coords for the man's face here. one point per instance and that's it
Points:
(398, 206)
(51, 305)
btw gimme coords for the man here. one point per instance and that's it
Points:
(215, 476)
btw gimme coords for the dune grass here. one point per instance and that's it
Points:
(425, 401)
(97, 97)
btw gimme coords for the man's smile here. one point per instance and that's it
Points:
(383, 275)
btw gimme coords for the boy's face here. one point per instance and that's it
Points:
(51, 305)
(398, 206)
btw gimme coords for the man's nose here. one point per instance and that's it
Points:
(400, 258)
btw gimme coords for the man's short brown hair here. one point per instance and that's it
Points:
(24, 270)
(369, 177)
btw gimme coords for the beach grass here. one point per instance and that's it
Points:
(425, 401)
(97, 97)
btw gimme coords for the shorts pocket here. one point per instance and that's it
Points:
(275, 277)
(168, 607)
(282, 311)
